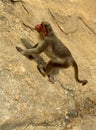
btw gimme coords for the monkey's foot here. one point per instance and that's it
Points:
(41, 69)
(51, 78)
(30, 57)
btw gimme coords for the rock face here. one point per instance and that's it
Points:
(29, 101)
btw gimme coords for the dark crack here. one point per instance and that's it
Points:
(25, 9)
(79, 17)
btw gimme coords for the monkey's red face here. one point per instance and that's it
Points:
(42, 28)
(39, 27)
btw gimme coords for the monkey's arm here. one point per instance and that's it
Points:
(36, 50)
(27, 44)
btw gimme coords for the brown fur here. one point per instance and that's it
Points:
(58, 53)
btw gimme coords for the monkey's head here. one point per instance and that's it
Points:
(44, 28)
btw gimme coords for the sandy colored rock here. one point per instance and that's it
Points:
(29, 101)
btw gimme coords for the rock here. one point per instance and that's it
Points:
(27, 99)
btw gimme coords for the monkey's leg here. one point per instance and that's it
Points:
(42, 70)
(49, 68)
(55, 64)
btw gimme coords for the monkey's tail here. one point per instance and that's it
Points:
(76, 74)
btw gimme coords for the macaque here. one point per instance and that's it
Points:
(59, 54)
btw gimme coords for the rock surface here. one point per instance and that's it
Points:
(29, 101)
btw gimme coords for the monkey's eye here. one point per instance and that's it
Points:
(41, 24)
(45, 26)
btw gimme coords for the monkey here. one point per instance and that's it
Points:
(60, 56)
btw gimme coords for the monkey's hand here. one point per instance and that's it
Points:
(19, 49)
(23, 53)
